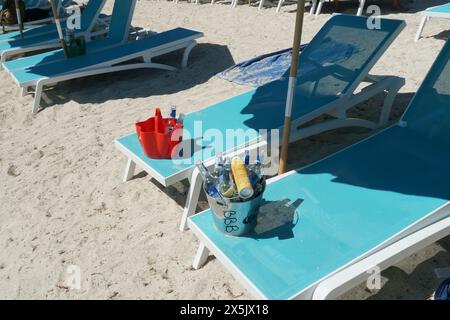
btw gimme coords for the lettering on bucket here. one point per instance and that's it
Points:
(230, 221)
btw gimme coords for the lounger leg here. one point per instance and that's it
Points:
(234, 3)
(23, 91)
(129, 170)
(37, 96)
(361, 7)
(201, 256)
(192, 199)
(421, 27)
(3, 57)
(389, 100)
(261, 5)
(150, 64)
(319, 7)
(186, 53)
(313, 7)
(280, 3)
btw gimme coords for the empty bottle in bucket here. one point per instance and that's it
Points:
(218, 167)
(226, 185)
(209, 182)
(255, 170)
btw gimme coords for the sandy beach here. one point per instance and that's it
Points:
(62, 199)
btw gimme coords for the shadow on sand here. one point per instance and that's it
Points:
(205, 61)
(420, 283)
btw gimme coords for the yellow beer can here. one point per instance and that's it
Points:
(240, 175)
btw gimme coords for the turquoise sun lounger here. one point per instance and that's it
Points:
(442, 11)
(367, 206)
(36, 41)
(335, 62)
(35, 23)
(104, 56)
(117, 33)
(40, 30)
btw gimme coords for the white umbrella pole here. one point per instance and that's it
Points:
(291, 85)
(58, 26)
(19, 18)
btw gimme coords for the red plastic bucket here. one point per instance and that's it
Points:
(159, 136)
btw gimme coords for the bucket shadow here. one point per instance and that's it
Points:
(443, 35)
(276, 219)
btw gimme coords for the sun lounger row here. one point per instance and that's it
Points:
(46, 37)
(104, 55)
(35, 23)
(371, 204)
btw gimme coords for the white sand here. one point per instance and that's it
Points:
(61, 196)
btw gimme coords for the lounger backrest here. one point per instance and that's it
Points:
(59, 6)
(429, 111)
(340, 56)
(90, 14)
(442, 9)
(121, 20)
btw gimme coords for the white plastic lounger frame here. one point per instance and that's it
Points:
(426, 16)
(234, 4)
(313, 5)
(358, 13)
(111, 66)
(435, 226)
(350, 275)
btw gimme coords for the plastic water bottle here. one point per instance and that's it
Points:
(172, 115)
(218, 167)
(173, 112)
(247, 157)
(226, 186)
(257, 167)
(209, 181)
(255, 174)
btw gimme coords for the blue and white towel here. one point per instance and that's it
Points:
(273, 66)
(43, 4)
